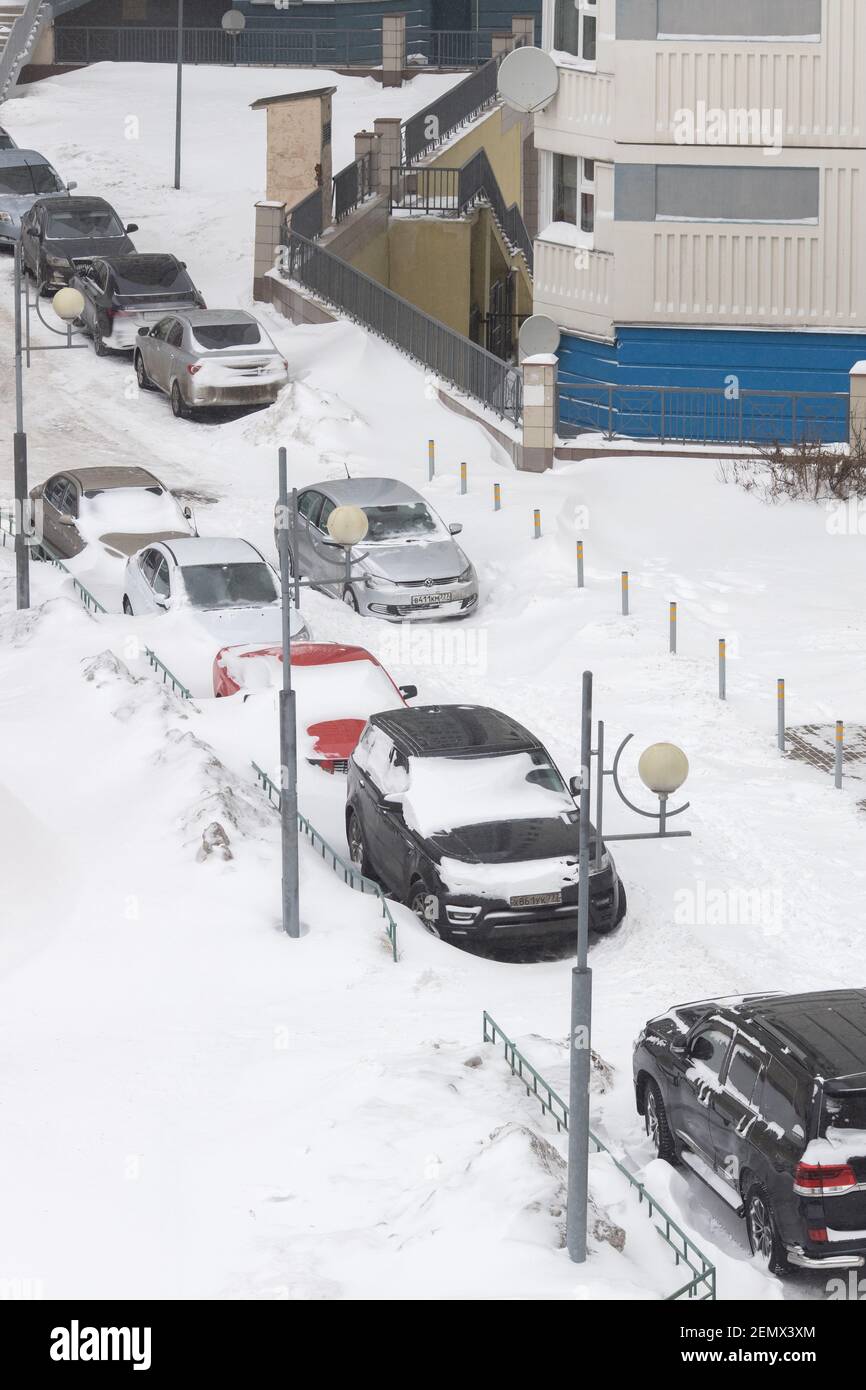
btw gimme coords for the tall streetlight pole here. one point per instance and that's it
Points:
(179, 98)
(19, 455)
(662, 768)
(288, 731)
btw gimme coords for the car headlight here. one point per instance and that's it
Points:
(376, 581)
(6, 217)
(465, 577)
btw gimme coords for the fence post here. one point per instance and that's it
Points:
(393, 49)
(497, 497)
(536, 516)
(780, 692)
(840, 750)
(463, 480)
(580, 564)
(624, 588)
(722, 685)
(673, 628)
(431, 459)
(540, 395)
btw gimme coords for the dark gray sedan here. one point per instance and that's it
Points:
(59, 233)
(408, 566)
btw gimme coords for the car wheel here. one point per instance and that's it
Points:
(357, 846)
(419, 903)
(763, 1236)
(657, 1126)
(127, 606)
(179, 406)
(144, 381)
(350, 599)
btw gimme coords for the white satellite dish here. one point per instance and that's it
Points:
(528, 79)
(538, 334)
(233, 21)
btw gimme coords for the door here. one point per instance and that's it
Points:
(733, 1110)
(60, 499)
(29, 243)
(309, 510)
(155, 353)
(161, 583)
(140, 581)
(707, 1053)
(327, 560)
(173, 350)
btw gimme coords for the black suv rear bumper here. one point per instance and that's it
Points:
(848, 1259)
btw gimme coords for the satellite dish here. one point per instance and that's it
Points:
(538, 334)
(233, 21)
(528, 79)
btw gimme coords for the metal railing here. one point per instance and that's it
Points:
(452, 357)
(352, 186)
(306, 218)
(702, 1285)
(20, 42)
(703, 415)
(428, 128)
(351, 875)
(419, 188)
(168, 677)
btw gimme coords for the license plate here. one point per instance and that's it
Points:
(429, 600)
(536, 900)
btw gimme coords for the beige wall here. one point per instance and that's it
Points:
(430, 262)
(294, 143)
(503, 150)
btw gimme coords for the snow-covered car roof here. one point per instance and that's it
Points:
(213, 550)
(196, 317)
(367, 492)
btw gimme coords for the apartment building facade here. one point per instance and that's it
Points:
(703, 190)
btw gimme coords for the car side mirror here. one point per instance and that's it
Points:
(455, 527)
(574, 785)
(72, 184)
(408, 692)
(187, 511)
(66, 518)
(701, 1050)
(132, 227)
(143, 332)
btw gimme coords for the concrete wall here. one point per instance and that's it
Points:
(430, 264)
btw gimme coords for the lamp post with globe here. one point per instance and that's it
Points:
(68, 305)
(663, 768)
(347, 527)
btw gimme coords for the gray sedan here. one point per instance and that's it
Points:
(209, 357)
(408, 566)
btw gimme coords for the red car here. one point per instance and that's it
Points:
(337, 688)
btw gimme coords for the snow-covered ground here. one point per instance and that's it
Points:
(196, 1106)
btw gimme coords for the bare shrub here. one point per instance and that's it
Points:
(809, 471)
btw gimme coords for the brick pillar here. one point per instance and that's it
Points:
(393, 49)
(500, 44)
(539, 413)
(523, 30)
(857, 408)
(387, 128)
(269, 237)
(366, 143)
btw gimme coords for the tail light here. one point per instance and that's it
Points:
(120, 314)
(193, 367)
(817, 1234)
(824, 1180)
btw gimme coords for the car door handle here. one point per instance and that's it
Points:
(361, 782)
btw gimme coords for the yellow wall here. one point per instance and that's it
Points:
(430, 266)
(503, 150)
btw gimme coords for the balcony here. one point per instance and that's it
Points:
(574, 284)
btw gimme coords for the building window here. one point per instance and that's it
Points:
(574, 191)
(575, 25)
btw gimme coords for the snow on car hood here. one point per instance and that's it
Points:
(240, 624)
(504, 881)
(420, 560)
(445, 793)
(132, 512)
(85, 247)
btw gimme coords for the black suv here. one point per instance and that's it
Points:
(764, 1097)
(461, 813)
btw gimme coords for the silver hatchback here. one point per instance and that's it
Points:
(408, 566)
(209, 357)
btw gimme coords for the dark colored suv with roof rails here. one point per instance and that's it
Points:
(461, 813)
(764, 1097)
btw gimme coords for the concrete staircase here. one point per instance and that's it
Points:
(21, 23)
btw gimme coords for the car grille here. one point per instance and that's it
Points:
(422, 584)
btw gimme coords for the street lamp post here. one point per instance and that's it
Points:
(347, 527)
(68, 304)
(663, 768)
(179, 96)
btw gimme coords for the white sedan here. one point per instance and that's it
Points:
(224, 582)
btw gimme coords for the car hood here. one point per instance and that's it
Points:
(127, 543)
(83, 248)
(510, 842)
(419, 560)
(230, 625)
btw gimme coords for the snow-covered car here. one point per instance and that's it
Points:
(125, 293)
(120, 508)
(209, 358)
(25, 175)
(764, 1098)
(409, 565)
(336, 687)
(224, 582)
(463, 815)
(58, 233)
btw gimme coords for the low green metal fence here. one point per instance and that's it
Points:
(350, 874)
(168, 677)
(702, 1285)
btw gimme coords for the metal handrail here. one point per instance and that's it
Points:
(449, 354)
(702, 1285)
(352, 186)
(452, 189)
(457, 107)
(168, 677)
(352, 876)
(20, 42)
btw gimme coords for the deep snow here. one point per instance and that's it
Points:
(201, 1108)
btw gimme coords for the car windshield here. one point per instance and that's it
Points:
(231, 585)
(449, 793)
(83, 222)
(226, 335)
(846, 1112)
(29, 178)
(406, 521)
(146, 274)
